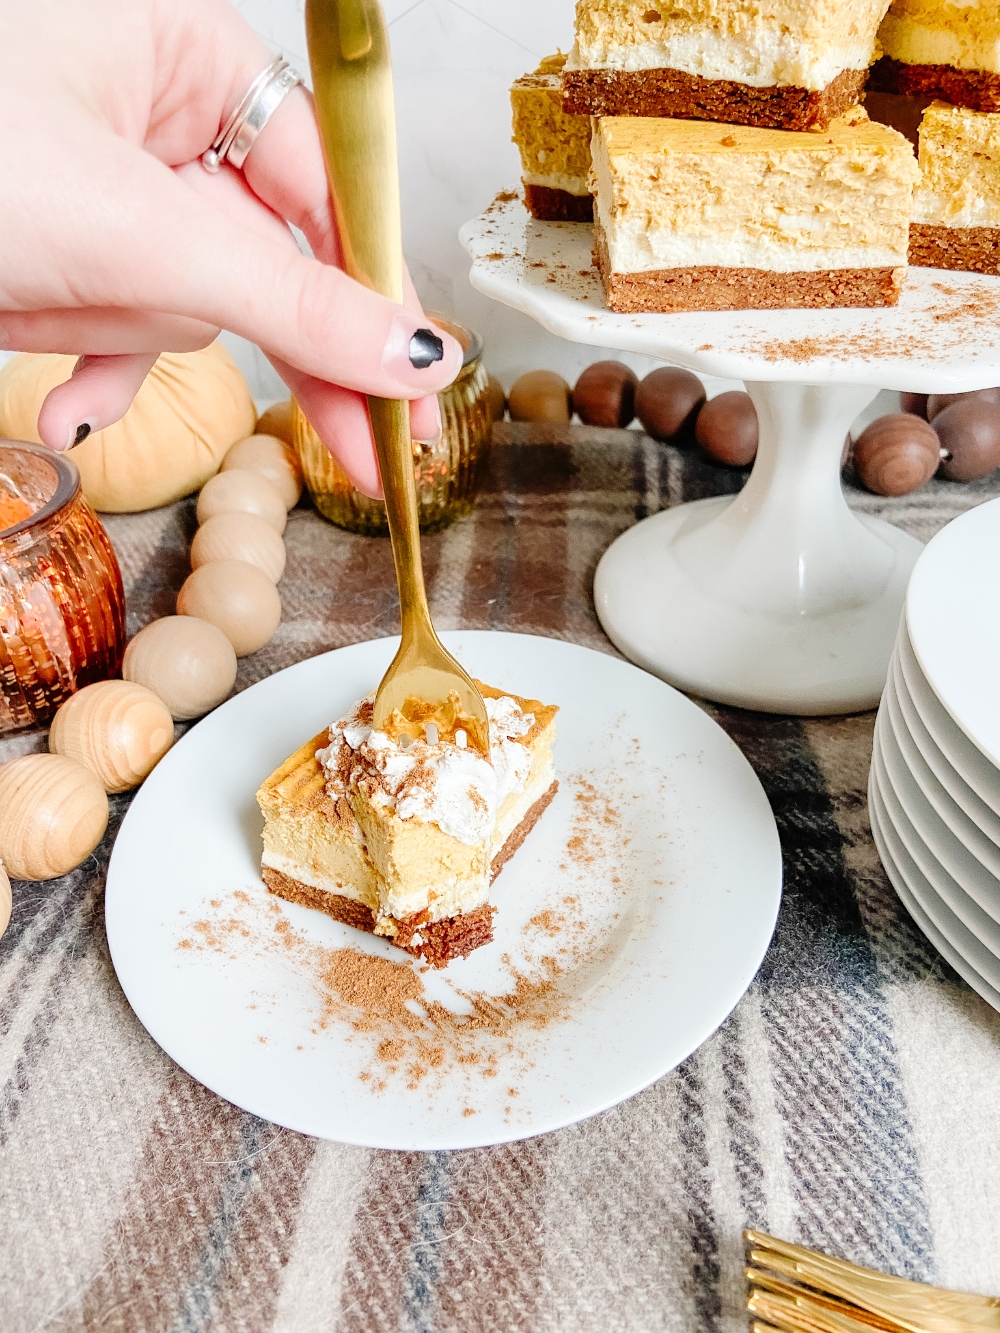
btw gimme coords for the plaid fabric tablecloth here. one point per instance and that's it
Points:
(851, 1102)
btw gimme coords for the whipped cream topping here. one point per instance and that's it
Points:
(438, 783)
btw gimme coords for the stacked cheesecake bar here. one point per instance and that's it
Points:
(950, 51)
(732, 165)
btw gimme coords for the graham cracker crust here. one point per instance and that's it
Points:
(338, 905)
(969, 249)
(436, 942)
(518, 834)
(977, 89)
(666, 290)
(548, 205)
(681, 96)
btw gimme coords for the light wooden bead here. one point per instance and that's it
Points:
(271, 459)
(6, 900)
(236, 597)
(540, 395)
(239, 537)
(189, 663)
(118, 729)
(240, 492)
(55, 812)
(277, 421)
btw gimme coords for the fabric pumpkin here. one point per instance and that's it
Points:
(192, 407)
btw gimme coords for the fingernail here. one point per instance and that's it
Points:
(413, 349)
(77, 434)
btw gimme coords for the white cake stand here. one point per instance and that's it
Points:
(781, 599)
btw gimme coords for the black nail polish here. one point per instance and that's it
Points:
(425, 348)
(82, 431)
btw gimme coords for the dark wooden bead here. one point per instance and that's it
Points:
(495, 400)
(896, 454)
(604, 395)
(937, 402)
(969, 431)
(915, 403)
(667, 402)
(727, 428)
(540, 395)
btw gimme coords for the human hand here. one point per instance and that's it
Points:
(118, 245)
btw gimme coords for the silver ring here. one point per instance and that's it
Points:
(258, 104)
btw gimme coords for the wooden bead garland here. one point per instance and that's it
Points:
(272, 459)
(6, 901)
(897, 454)
(117, 729)
(242, 492)
(55, 812)
(189, 663)
(667, 403)
(540, 395)
(604, 395)
(239, 537)
(237, 598)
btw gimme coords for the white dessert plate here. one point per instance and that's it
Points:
(635, 914)
(927, 791)
(941, 338)
(972, 898)
(894, 858)
(967, 759)
(954, 784)
(953, 620)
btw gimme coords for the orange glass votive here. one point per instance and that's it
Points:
(62, 605)
(447, 471)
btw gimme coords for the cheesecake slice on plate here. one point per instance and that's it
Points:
(697, 216)
(404, 838)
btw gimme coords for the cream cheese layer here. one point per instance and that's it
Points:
(761, 43)
(676, 194)
(578, 185)
(943, 32)
(959, 168)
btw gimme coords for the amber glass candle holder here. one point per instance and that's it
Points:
(62, 605)
(448, 472)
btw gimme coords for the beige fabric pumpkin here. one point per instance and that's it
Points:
(191, 409)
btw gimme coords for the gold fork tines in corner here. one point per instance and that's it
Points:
(912, 1307)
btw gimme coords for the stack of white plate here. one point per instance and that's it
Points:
(934, 791)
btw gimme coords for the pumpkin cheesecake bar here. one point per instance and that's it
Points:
(782, 64)
(696, 216)
(956, 207)
(942, 48)
(404, 838)
(554, 147)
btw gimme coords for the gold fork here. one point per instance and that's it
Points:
(797, 1290)
(352, 83)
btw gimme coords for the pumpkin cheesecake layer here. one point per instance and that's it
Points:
(956, 207)
(772, 63)
(554, 147)
(696, 216)
(406, 843)
(945, 48)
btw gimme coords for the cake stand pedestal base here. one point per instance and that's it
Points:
(781, 599)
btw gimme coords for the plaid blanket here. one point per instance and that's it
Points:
(851, 1102)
